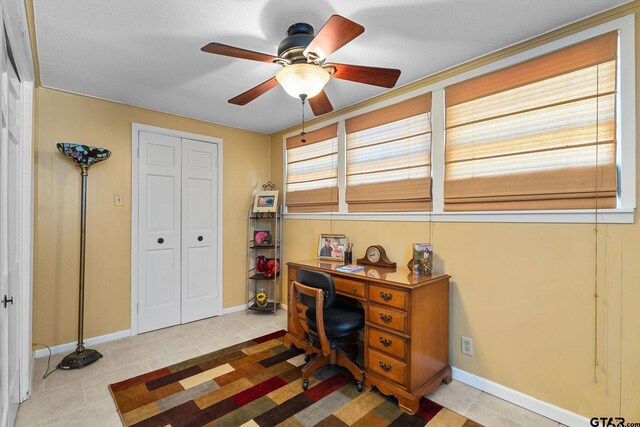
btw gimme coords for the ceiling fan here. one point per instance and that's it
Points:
(304, 72)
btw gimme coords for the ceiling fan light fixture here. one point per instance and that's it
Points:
(303, 79)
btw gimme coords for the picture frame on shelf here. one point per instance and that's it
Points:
(262, 238)
(332, 246)
(422, 261)
(265, 201)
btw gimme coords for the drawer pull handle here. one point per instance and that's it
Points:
(385, 366)
(385, 342)
(354, 289)
(386, 296)
(386, 318)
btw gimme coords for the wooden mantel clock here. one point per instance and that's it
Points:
(377, 256)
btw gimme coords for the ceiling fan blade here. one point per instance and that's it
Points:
(253, 93)
(337, 32)
(236, 52)
(320, 104)
(384, 77)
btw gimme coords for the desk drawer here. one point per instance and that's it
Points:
(349, 287)
(389, 318)
(387, 296)
(388, 367)
(387, 343)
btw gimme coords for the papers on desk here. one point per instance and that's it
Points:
(349, 268)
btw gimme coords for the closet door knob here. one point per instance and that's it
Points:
(161, 240)
(200, 238)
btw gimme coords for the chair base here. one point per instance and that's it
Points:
(339, 357)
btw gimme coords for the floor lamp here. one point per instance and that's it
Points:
(84, 156)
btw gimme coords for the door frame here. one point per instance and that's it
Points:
(135, 130)
(26, 245)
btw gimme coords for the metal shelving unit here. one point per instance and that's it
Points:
(272, 222)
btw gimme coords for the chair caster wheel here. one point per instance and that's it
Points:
(307, 357)
(305, 384)
(360, 386)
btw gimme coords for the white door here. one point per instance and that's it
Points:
(4, 240)
(178, 237)
(159, 225)
(9, 236)
(199, 237)
(14, 184)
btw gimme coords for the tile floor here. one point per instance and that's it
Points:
(81, 397)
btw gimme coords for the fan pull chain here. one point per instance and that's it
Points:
(303, 133)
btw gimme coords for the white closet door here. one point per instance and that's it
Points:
(159, 231)
(199, 233)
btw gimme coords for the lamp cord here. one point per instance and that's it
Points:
(47, 372)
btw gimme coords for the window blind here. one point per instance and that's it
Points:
(312, 171)
(389, 158)
(537, 135)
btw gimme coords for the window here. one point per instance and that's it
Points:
(547, 134)
(388, 154)
(312, 171)
(537, 135)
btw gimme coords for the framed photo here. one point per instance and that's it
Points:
(422, 259)
(266, 201)
(332, 246)
(262, 238)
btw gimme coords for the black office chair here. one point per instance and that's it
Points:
(332, 327)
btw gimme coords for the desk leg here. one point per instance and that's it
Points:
(410, 406)
(408, 401)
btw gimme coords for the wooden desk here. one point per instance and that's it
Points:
(406, 340)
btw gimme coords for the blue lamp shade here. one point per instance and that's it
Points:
(83, 154)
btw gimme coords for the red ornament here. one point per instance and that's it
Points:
(261, 263)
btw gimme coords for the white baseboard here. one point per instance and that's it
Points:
(68, 347)
(235, 309)
(517, 398)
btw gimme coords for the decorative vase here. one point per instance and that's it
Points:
(261, 263)
(261, 297)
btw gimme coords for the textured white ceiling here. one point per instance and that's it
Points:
(147, 52)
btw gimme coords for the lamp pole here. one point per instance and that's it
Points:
(83, 238)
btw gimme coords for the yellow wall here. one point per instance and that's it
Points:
(66, 117)
(523, 292)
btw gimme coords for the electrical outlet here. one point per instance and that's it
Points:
(467, 346)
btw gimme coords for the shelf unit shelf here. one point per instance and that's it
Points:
(260, 276)
(256, 282)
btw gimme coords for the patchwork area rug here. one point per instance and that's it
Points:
(258, 383)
